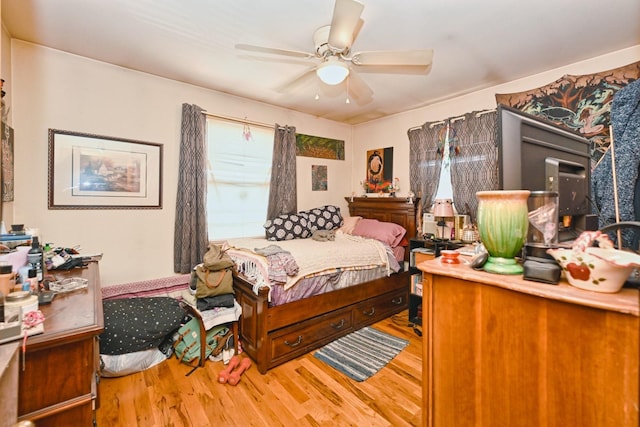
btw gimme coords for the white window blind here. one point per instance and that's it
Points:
(238, 176)
(445, 188)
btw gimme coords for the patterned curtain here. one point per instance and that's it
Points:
(474, 159)
(425, 162)
(283, 194)
(190, 239)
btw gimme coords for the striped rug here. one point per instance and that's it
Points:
(362, 353)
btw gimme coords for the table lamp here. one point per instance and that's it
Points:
(443, 209)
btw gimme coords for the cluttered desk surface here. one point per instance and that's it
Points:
(79, 310)
(626, 301)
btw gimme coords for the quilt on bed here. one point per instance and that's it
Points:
(312, 258)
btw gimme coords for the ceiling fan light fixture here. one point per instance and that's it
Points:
(332, 71)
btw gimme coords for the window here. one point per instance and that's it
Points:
(445, 189)
(238, 176)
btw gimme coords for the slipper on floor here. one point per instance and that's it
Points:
(234, 378)
(224, 375)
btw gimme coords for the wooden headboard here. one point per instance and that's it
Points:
(389, 209)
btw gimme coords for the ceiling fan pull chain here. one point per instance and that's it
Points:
(348, 101)
(246, 131)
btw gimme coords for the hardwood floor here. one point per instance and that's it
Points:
(302, 392)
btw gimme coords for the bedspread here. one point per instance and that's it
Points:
(311, 256)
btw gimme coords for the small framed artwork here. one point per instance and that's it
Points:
(318, 178)
(379, 171)
(100, 172)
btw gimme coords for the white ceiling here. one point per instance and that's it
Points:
(477, 44)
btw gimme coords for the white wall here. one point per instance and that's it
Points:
(53, 89)
(392, 131)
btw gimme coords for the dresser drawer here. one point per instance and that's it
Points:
(310, 334)
(378, 308)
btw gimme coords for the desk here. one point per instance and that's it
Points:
(502, 351)
(58, 385)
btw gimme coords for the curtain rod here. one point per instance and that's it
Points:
(453, 119)
(243, 121)
(482, 113)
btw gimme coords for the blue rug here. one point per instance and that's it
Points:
(362, 353)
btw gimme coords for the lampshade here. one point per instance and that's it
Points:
(443, 208)
(332, 71)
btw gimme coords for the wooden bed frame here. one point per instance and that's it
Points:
(274, 335)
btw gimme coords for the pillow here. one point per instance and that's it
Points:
(349, 223)
(136, 324)
(118, 365)
(387, 232)
(287, 227)
(326, 217)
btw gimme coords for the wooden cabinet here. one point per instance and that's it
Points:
(58, 382)
(501, 351)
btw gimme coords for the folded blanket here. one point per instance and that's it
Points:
(281, 263)
(207, 303)
(270, 250)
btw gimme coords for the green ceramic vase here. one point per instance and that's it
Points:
(503, 223)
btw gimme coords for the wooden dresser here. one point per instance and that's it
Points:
(58, 385)
(502, 351)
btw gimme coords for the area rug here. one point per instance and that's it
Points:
(362, 353)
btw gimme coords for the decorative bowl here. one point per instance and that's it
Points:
(596, 269)
(449, 257)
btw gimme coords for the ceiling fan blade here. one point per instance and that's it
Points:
(306, 77)
(419, 58)
(345, 21)
(356, 30)
(275, 51)
(357, 87)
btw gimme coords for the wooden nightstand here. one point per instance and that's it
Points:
(422, 250)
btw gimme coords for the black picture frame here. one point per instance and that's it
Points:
(88, 171)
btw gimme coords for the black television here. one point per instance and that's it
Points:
(537, 155)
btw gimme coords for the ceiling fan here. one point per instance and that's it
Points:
(334, 61)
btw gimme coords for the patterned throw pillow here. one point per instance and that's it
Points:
(326, 217)
(287, 227)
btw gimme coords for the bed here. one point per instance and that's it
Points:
(273, 332)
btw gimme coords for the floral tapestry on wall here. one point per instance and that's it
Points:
(580, 103)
